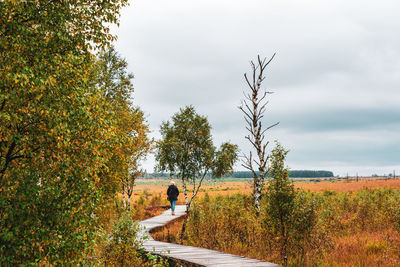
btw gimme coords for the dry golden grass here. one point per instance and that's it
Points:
(245, 187)
(160, 186)
(344, 186)
(365, 249)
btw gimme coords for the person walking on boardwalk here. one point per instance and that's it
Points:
(173, 194)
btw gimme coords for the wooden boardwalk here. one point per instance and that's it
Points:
(190, 255)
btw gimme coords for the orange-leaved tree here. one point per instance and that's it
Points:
(133, 143)
(56, 128)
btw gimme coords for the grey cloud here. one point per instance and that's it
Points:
(341, 119)
(336, 76)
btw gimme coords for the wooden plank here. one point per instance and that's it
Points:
(199, 256)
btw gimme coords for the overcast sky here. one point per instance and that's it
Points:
(335, 78)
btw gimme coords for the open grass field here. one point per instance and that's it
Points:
(243, 185)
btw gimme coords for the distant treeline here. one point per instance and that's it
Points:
(310, 174)
(248, 174)
(293, 174)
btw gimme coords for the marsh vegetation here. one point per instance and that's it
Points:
(328, 228)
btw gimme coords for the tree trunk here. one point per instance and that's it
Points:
(187, 211)
(123, 196)
(257, 197)
(129, 203)
(129, 191)
(185, 193)
(258, 186)
(253, 108)
(183, 228)
(284, 241)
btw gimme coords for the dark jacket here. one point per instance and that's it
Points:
(172, 193)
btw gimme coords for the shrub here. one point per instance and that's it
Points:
(122, 248)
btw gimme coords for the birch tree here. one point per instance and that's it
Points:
(54, 127)
(253, 108)
(127, 188)
(187, 151)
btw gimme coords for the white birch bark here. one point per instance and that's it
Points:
(253, 108)
(123, 196)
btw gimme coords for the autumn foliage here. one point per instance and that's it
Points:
(62, 134)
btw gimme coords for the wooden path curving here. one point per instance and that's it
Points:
(190, 255)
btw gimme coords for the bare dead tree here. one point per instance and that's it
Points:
(253, 108)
